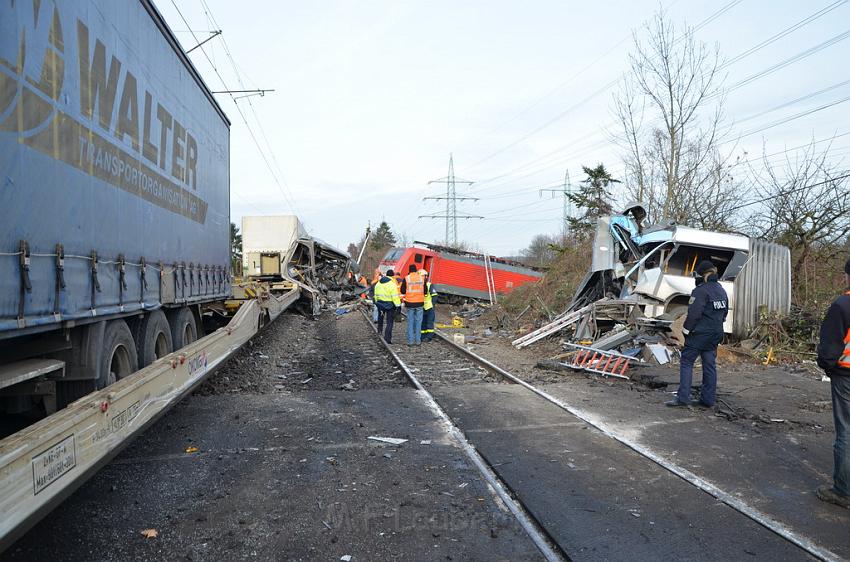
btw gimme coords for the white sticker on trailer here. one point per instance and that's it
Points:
(52, 464)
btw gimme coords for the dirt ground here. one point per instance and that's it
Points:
(769, 442)
(271, 459)
(775, 398)
(285, 470)
(296, 353)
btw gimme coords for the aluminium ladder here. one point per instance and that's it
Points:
(606, 363)
(491, 281)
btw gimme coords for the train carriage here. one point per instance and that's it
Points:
(460, 273)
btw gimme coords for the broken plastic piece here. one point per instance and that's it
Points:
(390, 440)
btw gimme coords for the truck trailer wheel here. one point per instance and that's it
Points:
(184, 328)
(153, 338)
(119, 358)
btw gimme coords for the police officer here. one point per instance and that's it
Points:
(703, 333)
(429, 313)
(834, 358)
(387, 302)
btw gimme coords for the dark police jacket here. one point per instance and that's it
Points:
(834, 332)
(706, 313)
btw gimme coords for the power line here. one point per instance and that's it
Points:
(257, 119)
(772, 39)
(794, 101)
(565, 191)
(601, 90)
(737, 58)
(791, 60)
(451, 200)
(791, 191)
(558, 117)
(748, 133)
(239, 110)
(795, 116)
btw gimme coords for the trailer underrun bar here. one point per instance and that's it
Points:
(43, 464)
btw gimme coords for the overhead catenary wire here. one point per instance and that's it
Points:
(258, 121)
(735, 138)
(256, 142)
(790, 60)
(756, 48)
(596, 93)
(799, 56)
(772, 39)
(559, 161)
(791, 192)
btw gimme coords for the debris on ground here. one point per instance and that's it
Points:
(633, 301)
(277, 250)
(389, 440)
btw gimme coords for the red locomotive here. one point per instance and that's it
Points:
(460, 273)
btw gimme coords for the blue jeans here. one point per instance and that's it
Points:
(709, 374)
(841, 415)
(414, 325)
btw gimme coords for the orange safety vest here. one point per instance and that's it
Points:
(415, 292)
(844, 360)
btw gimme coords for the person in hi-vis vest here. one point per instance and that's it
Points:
(429, 314)
(413, 294)
(387, 302)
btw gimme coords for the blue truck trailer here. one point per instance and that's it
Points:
(114, 197)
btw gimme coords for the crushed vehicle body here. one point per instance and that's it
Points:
(277, 249)
(635, 296)
(655, 266)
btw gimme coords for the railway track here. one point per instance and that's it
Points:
(282, 412)
(578, 488)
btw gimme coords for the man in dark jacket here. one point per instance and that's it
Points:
(834, 358)
(703, 333)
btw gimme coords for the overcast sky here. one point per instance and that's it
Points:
(372, 96)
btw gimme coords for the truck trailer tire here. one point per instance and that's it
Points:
(119, 358)
(184, 328)
(153, 338)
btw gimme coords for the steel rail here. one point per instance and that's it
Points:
(766, 521)
(533, 529)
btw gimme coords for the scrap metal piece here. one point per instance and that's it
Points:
(613, 339)
(556, 325)
(606, 363)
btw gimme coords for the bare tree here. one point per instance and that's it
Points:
(670, 111)
(805, 205)
(541, 251)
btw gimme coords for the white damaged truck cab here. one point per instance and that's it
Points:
(656, 266)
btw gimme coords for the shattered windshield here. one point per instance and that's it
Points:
(394, 254)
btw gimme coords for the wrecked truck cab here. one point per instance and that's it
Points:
(655, 264)
(665, 273)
